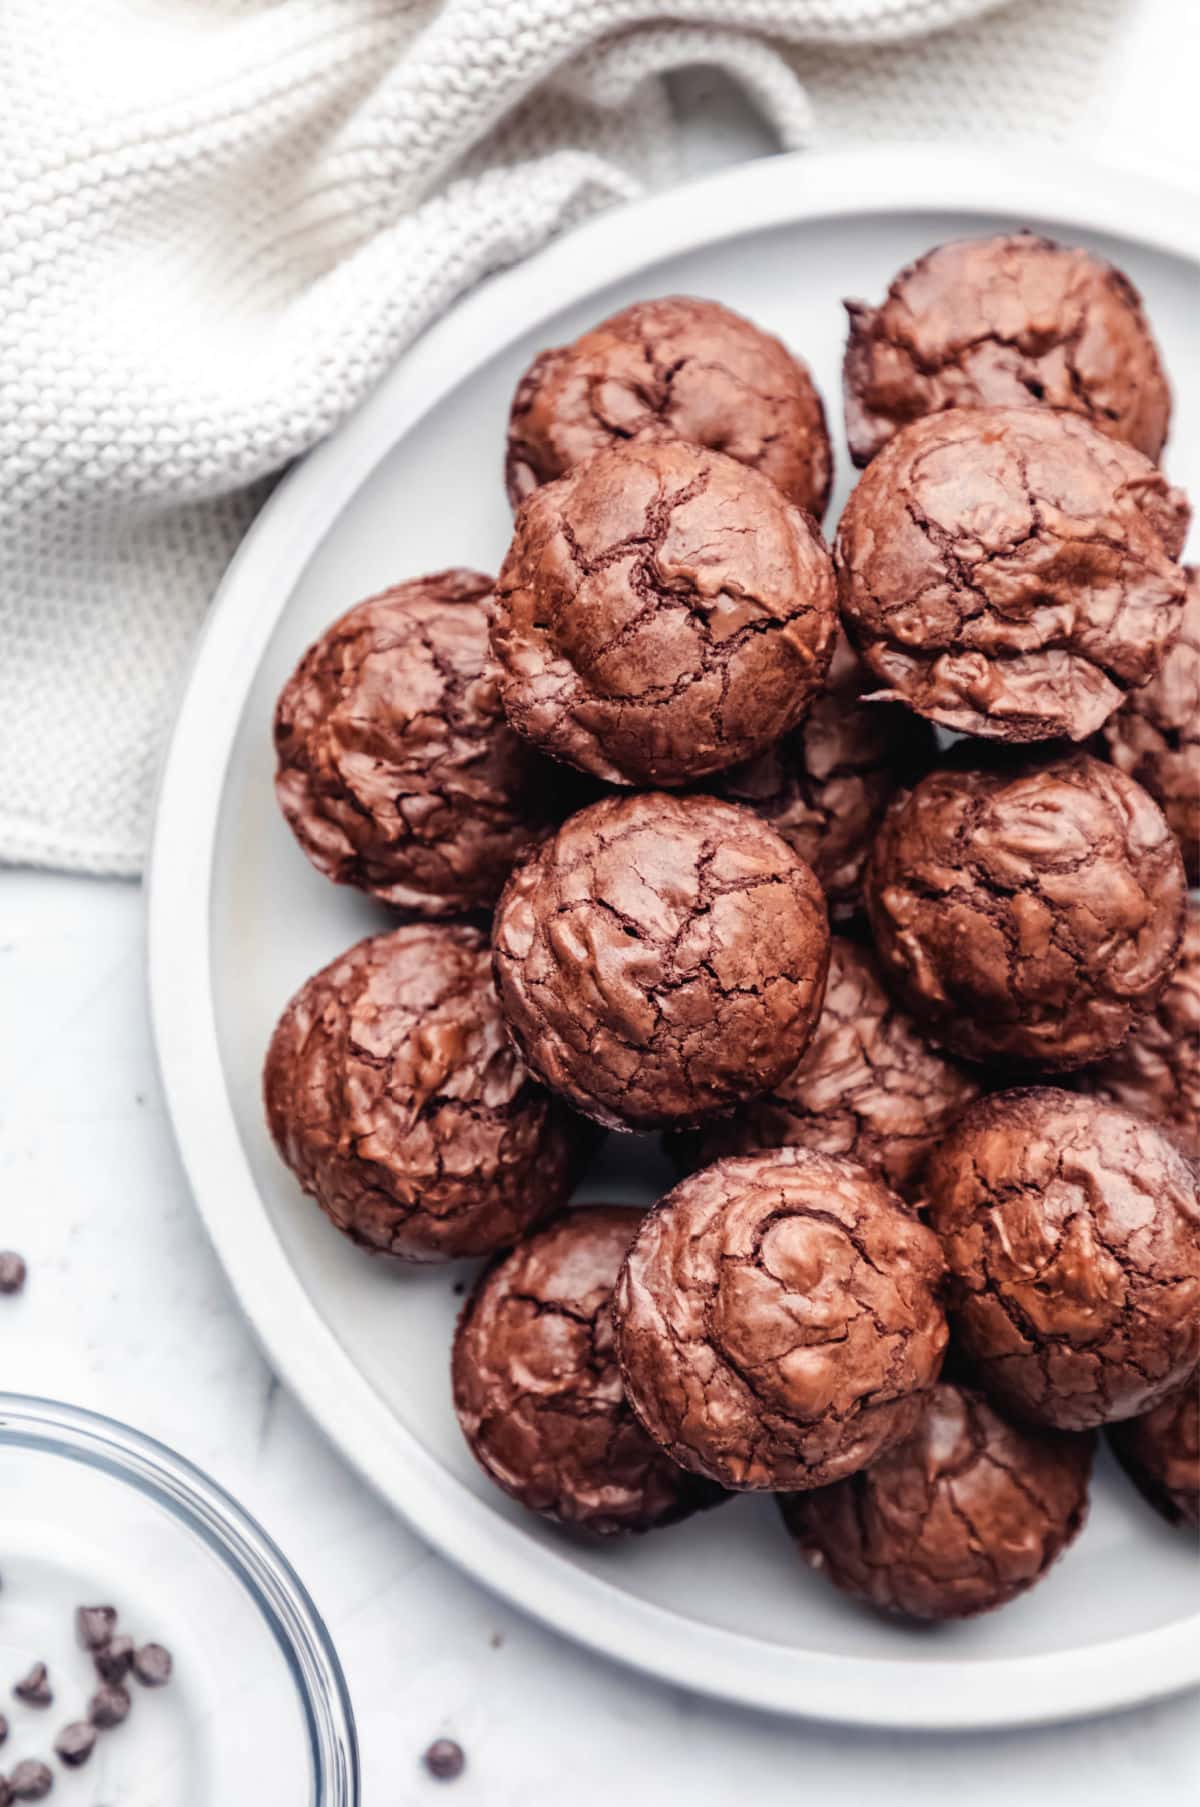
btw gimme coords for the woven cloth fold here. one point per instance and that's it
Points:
(222, 220)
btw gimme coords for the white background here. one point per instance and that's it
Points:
(127, 1311)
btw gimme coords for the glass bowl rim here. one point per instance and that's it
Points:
(250, 1553)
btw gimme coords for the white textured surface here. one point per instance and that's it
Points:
(222, 220)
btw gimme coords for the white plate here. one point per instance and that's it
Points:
(238, 918)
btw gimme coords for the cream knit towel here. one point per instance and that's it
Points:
(222, 220)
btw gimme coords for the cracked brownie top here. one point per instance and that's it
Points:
(538, 1392)
(778, 1321)
(1010, 321)
(1156, 1071)
(1072, 1234)
(397, 771)
(675, 368)
(961, 1518)
(1155, 735)
(1160, 1453)
(395, 1096)
(868, 1085)
(1026, 910)
(1011, 573)
(663, 612)
(661, 958)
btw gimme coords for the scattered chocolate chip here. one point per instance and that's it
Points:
(115, 1660)
(109, 1706)
(152, 1665)
(496, 1640)
(444, 1759)
(3, 1728)
(12, 1272)
(94, 1626)
(31, 1780)
(75, 1743)
(34, 1689)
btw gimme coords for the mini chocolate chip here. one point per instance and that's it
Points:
(109, 1706)
(34, 1689)
(12, 1271)
(94, 1625)
(444, 1759)
(152, 1665)
(31, 1780)
(3, 1728)
(75, 1743)
(113, 1663)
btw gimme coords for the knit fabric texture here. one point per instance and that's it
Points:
(221, 221)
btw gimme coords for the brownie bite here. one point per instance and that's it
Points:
(825, 786)
(661, 958)
(965, 1515)
(1028, 911)
(1160, 1452)
(538, 1392)
(778, 1320)
(868, 1086)
(1156, 1070)
(397, 771)
(674, 368)
(1010, 321)
(1011, 573)
(1155, 735)
(663, 612)
(1072, 1235)
(396, 1098)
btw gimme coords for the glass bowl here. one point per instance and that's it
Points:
(257, 1708)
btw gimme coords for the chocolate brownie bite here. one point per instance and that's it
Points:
(663, 612)
(1028, 911)
(675, 368)
(1072, 1234)
(1160, 1453)
(538, 1392)
(661, 958)
(1011, 573)
(1009, 321)
(825, 786)
(1155, 735)
(968, 1513)
(868, 1086)
(778, 1320)
(396, 1098)
(1156, 1071)
(397, 771)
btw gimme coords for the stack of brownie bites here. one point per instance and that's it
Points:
(917, 1011)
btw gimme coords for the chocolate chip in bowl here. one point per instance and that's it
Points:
(253, 1704)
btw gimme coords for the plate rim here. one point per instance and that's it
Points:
(751, 1672)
